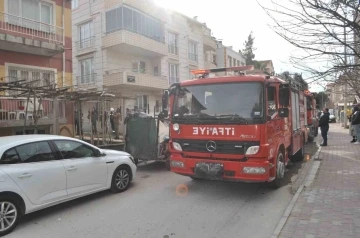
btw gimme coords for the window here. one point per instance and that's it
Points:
(157, 106)
(192, 51)
(156, 71)
(31, 12)
(74, 4)
(142, 102)
(238, 63)
(10, 157)
(86, 35)
(135, 21)
(234, 62)
(44, 77)
(173, 43)
(87, 71)
(230, 61)
(173, 73)
(139, 67)
(29, 153)
(73, 149)
(272, 105)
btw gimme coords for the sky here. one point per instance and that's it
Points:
(233, 20)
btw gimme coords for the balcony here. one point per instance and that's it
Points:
(209, 43)
(13, 112)
(28, 36)
(126, 78)
(88, 81)
(130, 42)
(85, 46)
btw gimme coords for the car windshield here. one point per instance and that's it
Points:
(236, 101)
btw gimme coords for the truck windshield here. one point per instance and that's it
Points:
(234, 102)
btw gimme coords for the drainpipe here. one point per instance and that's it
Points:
(63, 35)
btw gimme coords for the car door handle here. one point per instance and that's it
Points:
(72, 168)
(25, 175)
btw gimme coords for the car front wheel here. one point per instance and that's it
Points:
(9, 215)
(121, 179)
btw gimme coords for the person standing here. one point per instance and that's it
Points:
(112, 120)
(351, 128)
(94, 118)
(324, 125)
(355, 123)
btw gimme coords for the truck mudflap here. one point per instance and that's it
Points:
(249, 171)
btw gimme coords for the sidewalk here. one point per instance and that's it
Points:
(330, 207)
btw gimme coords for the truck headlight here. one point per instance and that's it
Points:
(176, 127)
(177, 146)
(177, 164)
(252, 150)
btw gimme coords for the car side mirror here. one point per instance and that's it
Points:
(97, 153)
(283, 112)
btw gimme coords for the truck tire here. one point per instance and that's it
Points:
(280, 171)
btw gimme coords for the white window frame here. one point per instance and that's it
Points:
(74, 4)
(29, 69)
(173, 48)
(171, 73)
(193, 51)
(87, 42)
(46, 2)
(140, 103)
(88, 78)
(139, 69)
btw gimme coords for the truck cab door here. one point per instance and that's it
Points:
(273, 123)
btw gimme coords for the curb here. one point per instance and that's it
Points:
(307, 182)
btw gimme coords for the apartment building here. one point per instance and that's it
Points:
(35, 45)
(226, 56)
(136, 49)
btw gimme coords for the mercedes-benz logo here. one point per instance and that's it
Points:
(211, 146)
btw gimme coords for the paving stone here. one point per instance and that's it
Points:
(330, 206)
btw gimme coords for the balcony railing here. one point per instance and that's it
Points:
(86, 80)
(31, 29)
(85, 43)
(15, 109)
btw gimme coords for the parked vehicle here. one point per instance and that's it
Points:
(238, 128)
(44, 170)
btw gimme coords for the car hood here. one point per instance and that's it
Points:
(115, 152)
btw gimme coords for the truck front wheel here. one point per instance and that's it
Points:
(280, 171)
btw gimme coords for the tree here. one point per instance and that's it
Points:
(326, 32)
(249, 50)
(321, 100)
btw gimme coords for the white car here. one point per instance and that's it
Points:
(39, 171)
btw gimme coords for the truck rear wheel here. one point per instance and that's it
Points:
(280, 171)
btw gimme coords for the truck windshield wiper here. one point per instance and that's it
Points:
(233, 117)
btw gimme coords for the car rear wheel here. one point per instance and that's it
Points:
(9, 215)
(121, 179)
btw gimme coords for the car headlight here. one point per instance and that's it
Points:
(177, 146)
(132, 159)
(252, 150)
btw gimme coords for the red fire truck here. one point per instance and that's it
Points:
(237, 128)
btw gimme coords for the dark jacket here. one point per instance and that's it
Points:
(324, 120)
(355, 119)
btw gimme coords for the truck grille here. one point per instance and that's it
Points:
(222, 147)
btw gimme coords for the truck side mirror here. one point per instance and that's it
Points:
(165, 102)
(283, 112)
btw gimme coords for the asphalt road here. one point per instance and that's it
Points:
(154, 207)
